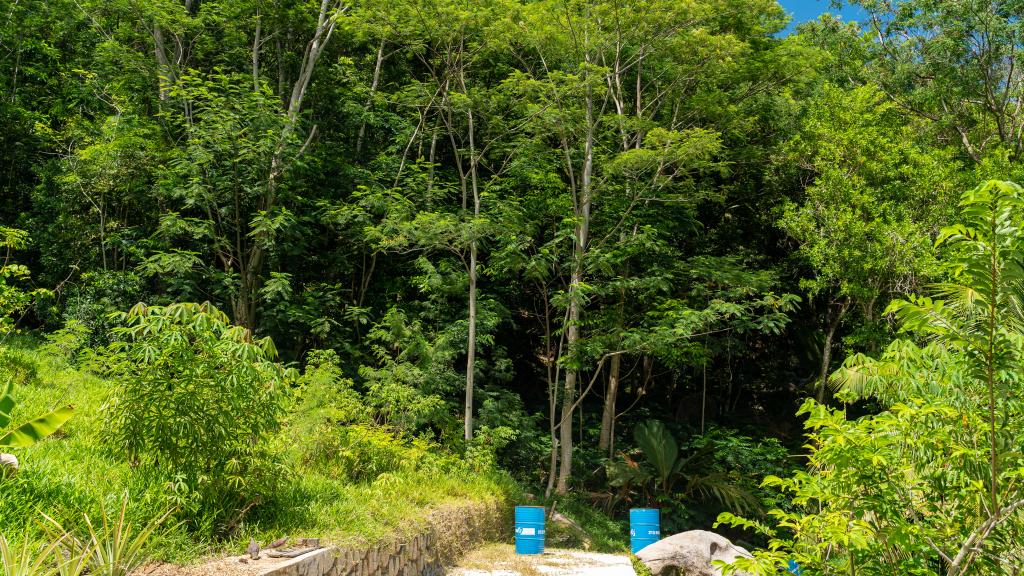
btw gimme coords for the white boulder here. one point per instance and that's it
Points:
(690, 553)
(8, 465)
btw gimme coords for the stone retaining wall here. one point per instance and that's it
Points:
(451, 531)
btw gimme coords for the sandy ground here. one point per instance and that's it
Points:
(491, 560)
(501, 560)
(229, 566)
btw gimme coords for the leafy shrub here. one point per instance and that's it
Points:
(361, 453)
(197, 397)
(406, 389)
(15, 297)
(96, 296)
(931, 484)
(322, 395)
(67, 342)
(334, 429)
(693, 480)
(744, 462)
(397, 401)
(482, 450)
(518, 440)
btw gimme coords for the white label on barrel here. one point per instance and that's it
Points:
(528, 531)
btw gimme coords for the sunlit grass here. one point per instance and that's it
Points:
(73, 474)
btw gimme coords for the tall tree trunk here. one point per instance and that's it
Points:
(252, 266)
(369, 99)
(604, 442)
(471, 344)
(257, 41)
(166, 73)
(553, 465)
(550, 362)
(826, 349)
(244, 303)
(575, 299)
(565, 429)
(608, 414)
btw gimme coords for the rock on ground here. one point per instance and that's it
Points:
(8, 464)
(690, 553)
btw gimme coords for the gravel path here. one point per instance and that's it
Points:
(501, 560)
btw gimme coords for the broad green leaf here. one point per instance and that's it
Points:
(659, 447)
(35, 430)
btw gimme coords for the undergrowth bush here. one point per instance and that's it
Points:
(197, 397)
(482, 450)
(16, 295)
(96, 296)
(323, 395)
(334, 473)
(695, 478)
(360, 453)
(67, 342)
(330, 427)
(508, 436)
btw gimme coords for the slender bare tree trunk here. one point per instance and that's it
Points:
(256, 42)
(608, 414)
(826, 350)
(471, 344)
(553, 465)
(163, 66)
(575, 299)
(373, 89)
(252, 263)
(550, 361)
(565, 429)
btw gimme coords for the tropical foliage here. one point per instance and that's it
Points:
(197, 397)
(931, 483)
(28, 433)
(299, 253)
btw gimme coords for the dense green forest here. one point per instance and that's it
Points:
(609, 252)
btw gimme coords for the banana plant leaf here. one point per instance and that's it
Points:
(6, 406)
(36, 429)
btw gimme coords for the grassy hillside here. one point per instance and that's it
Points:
(75, 473)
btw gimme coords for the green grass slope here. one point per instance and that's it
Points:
(74, 473)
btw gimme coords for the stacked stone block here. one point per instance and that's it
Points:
(451, 531)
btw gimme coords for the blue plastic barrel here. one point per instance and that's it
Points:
(529, 529)
(644, 528)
